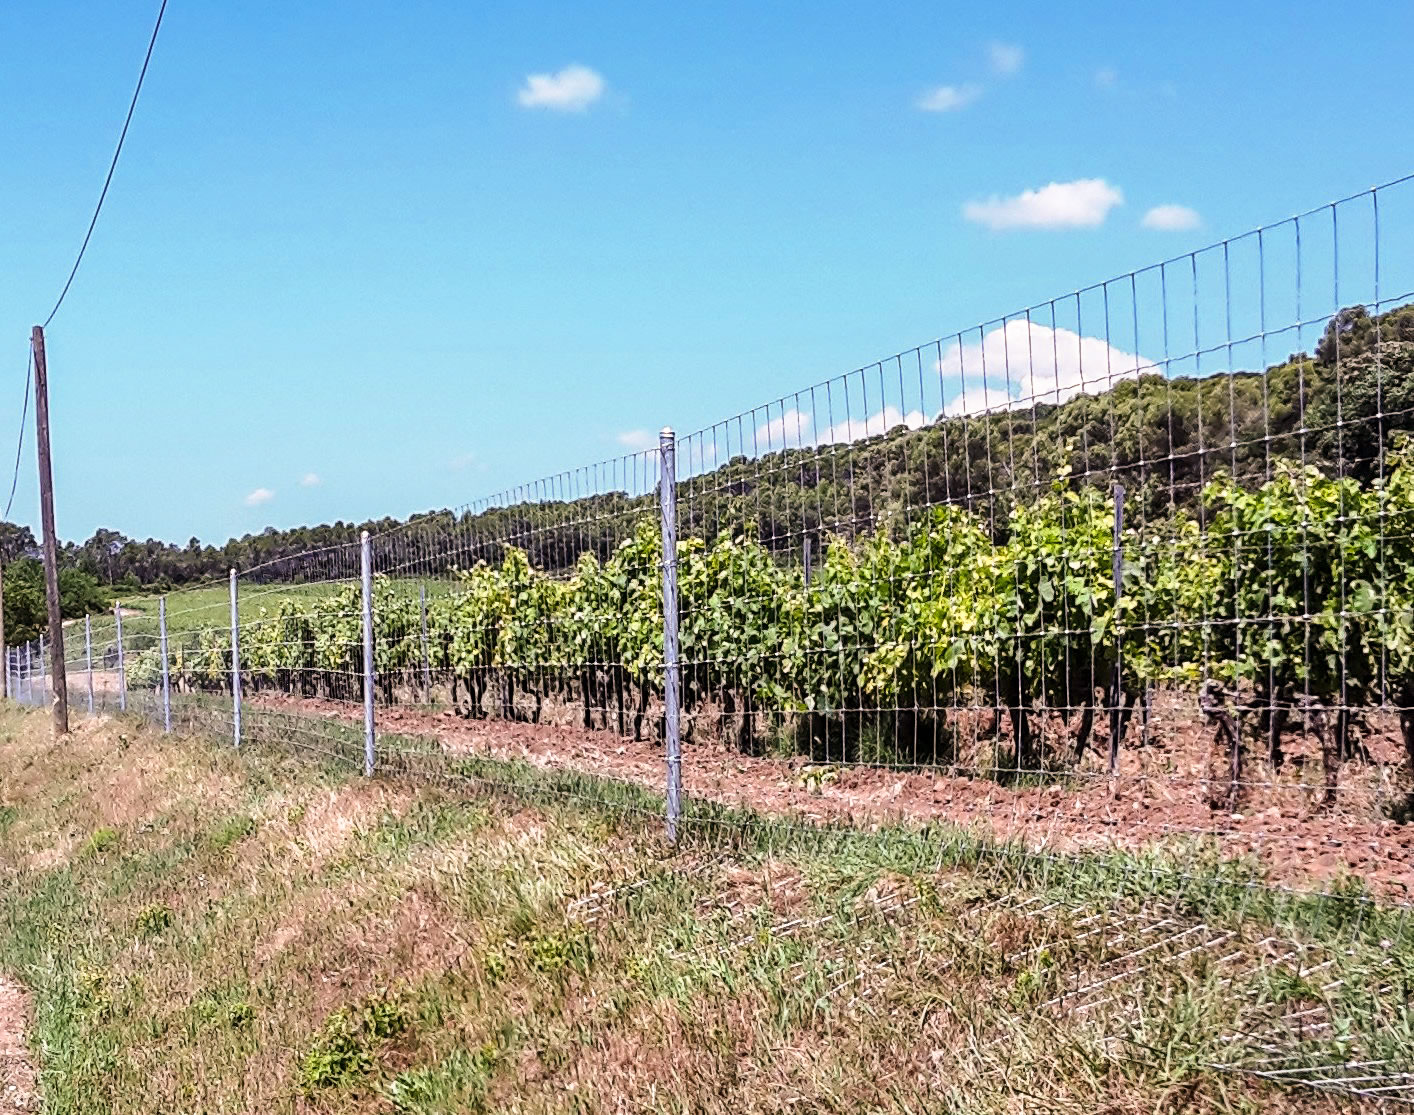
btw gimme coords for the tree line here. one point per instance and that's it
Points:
(1164, 438)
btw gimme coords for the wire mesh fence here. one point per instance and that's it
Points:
(1131, 568)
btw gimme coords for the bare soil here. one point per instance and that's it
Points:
(1170, 788)
(17, 1080)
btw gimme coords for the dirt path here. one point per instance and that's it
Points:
(1161, 795)
(17, 1083)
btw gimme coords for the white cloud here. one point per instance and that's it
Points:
(259, 496)
(794, 428)
(1084, 203)
(1010, 367)
(573, 89)
(1106, 77)
(1006, 58)
(310, 480)
(637, 440)
(841, 433)
(462, 461)
(1023, 362)
(948, 98)
(1171, 218)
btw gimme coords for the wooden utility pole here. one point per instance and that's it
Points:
(51, 543)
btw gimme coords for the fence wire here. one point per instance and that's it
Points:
(1130, 569)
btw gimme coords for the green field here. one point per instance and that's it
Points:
(209, 607)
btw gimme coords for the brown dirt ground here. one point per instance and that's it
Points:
(17, 1081)
(1165, 790)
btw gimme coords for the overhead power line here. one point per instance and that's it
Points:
(20, 441)
(112, 166)
(83, 248)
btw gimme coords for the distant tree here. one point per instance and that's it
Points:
(26, 612)
(1353, 331)
(16, 541)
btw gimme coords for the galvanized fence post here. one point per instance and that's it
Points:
(166, 677)
(43, 677)
(366, 562)
(667, 497)
(426, 658)
(88, 657)
(122, 663)
(235, 665)
(28, 679)
(1117, 685)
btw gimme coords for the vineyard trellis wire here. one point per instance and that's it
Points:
(1132, 566)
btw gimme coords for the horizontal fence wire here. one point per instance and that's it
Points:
(1131, 570)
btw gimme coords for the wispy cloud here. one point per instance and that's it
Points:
(1106, 77)
(1006, 58)
(463, 461)
(310, 480)
(948, 98)
(1084, 203)
(637, 440)
(572, 89)
(259, 496)
(1172, 218)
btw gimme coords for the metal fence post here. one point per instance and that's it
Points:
(1116, 688)
(667, 496)
(43, 677)
(28, 685)
(366, 561)
(426, 658)
(235, 665)
(166, 678)
(122, 664)
(88, 657)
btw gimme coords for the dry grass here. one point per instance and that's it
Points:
(205, 931)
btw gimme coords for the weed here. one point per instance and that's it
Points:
(1282, 984)
(338, 1055)
(230, 831)
(457, 1083)
(101, 840)
(345, 1048)
(152, 920)
(556, 952)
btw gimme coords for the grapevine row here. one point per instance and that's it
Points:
(1284, 603)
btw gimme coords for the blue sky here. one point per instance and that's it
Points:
(411, 251)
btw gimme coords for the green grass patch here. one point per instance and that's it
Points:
(230, 831)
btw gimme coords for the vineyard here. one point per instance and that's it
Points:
(1278, 609)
